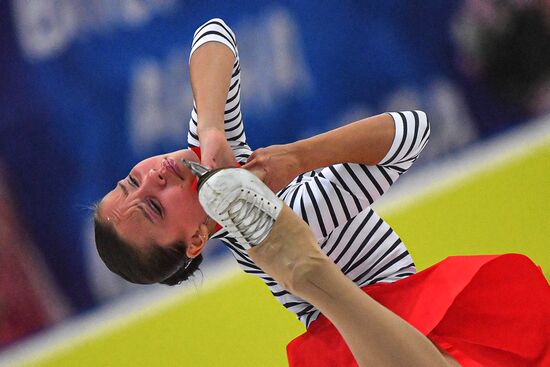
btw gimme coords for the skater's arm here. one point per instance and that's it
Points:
(365, 142)
(389, 140)
(211, 66)
(386, 139)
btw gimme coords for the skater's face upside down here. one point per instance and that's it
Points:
(155, 203)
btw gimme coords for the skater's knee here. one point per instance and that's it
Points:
(305, 271)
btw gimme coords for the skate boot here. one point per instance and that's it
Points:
(236, 199)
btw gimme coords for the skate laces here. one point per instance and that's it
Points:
(252, 216)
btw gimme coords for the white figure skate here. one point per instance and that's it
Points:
(236, 199)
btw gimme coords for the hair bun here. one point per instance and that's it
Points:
(183, 272)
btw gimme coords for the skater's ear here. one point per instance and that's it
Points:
(198, 241)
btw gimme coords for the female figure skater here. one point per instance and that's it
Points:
(346, 263)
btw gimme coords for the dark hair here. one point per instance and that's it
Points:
(156, 264)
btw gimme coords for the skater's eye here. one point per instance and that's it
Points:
(154, 204)
(132, 180)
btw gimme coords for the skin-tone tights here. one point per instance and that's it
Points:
(375, 335)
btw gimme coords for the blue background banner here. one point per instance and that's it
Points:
(88, 88)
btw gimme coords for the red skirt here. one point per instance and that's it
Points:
(483, 310)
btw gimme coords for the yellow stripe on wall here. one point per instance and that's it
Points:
(501, 210)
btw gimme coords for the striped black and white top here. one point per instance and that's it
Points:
(335, 201)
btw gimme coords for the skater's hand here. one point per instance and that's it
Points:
(215, 151)
(276, 165)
